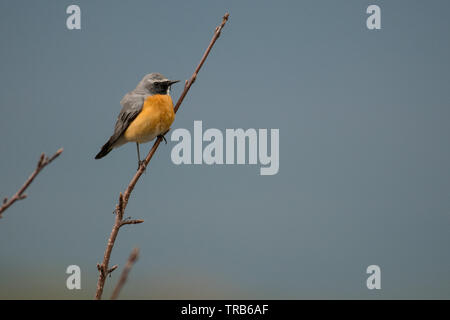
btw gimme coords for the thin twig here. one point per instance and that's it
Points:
(123, 198)
(123, 277)
(20, 195)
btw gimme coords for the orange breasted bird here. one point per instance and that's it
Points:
(147, 112)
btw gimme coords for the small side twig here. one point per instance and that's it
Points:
(123, 277)
(136, 221)
(20, 195)
(123, 198)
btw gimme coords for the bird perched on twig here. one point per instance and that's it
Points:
(147, 112)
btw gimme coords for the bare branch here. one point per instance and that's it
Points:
(123, 277)
(123, 199)
(20, 195)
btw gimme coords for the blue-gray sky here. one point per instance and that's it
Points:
(364, 155)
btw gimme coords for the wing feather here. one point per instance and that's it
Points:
(132, 104)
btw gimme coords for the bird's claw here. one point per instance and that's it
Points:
(163, 137)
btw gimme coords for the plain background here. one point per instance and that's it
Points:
(364, 149)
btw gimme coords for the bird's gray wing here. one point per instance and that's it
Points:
(132, 104)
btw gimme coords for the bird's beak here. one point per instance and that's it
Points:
(171, 82)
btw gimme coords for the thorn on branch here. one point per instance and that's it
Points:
(101, 268)
(129, 221)
(119, 207)
(114, 267)
(60, 150)
(41, 161)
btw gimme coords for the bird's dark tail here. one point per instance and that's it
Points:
(104, 151)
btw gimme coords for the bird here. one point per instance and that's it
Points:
(147, 112)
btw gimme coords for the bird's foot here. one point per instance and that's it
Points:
(163, 137)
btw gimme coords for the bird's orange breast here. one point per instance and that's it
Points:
(156, 117)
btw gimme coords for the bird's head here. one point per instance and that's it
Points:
(155, 83)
